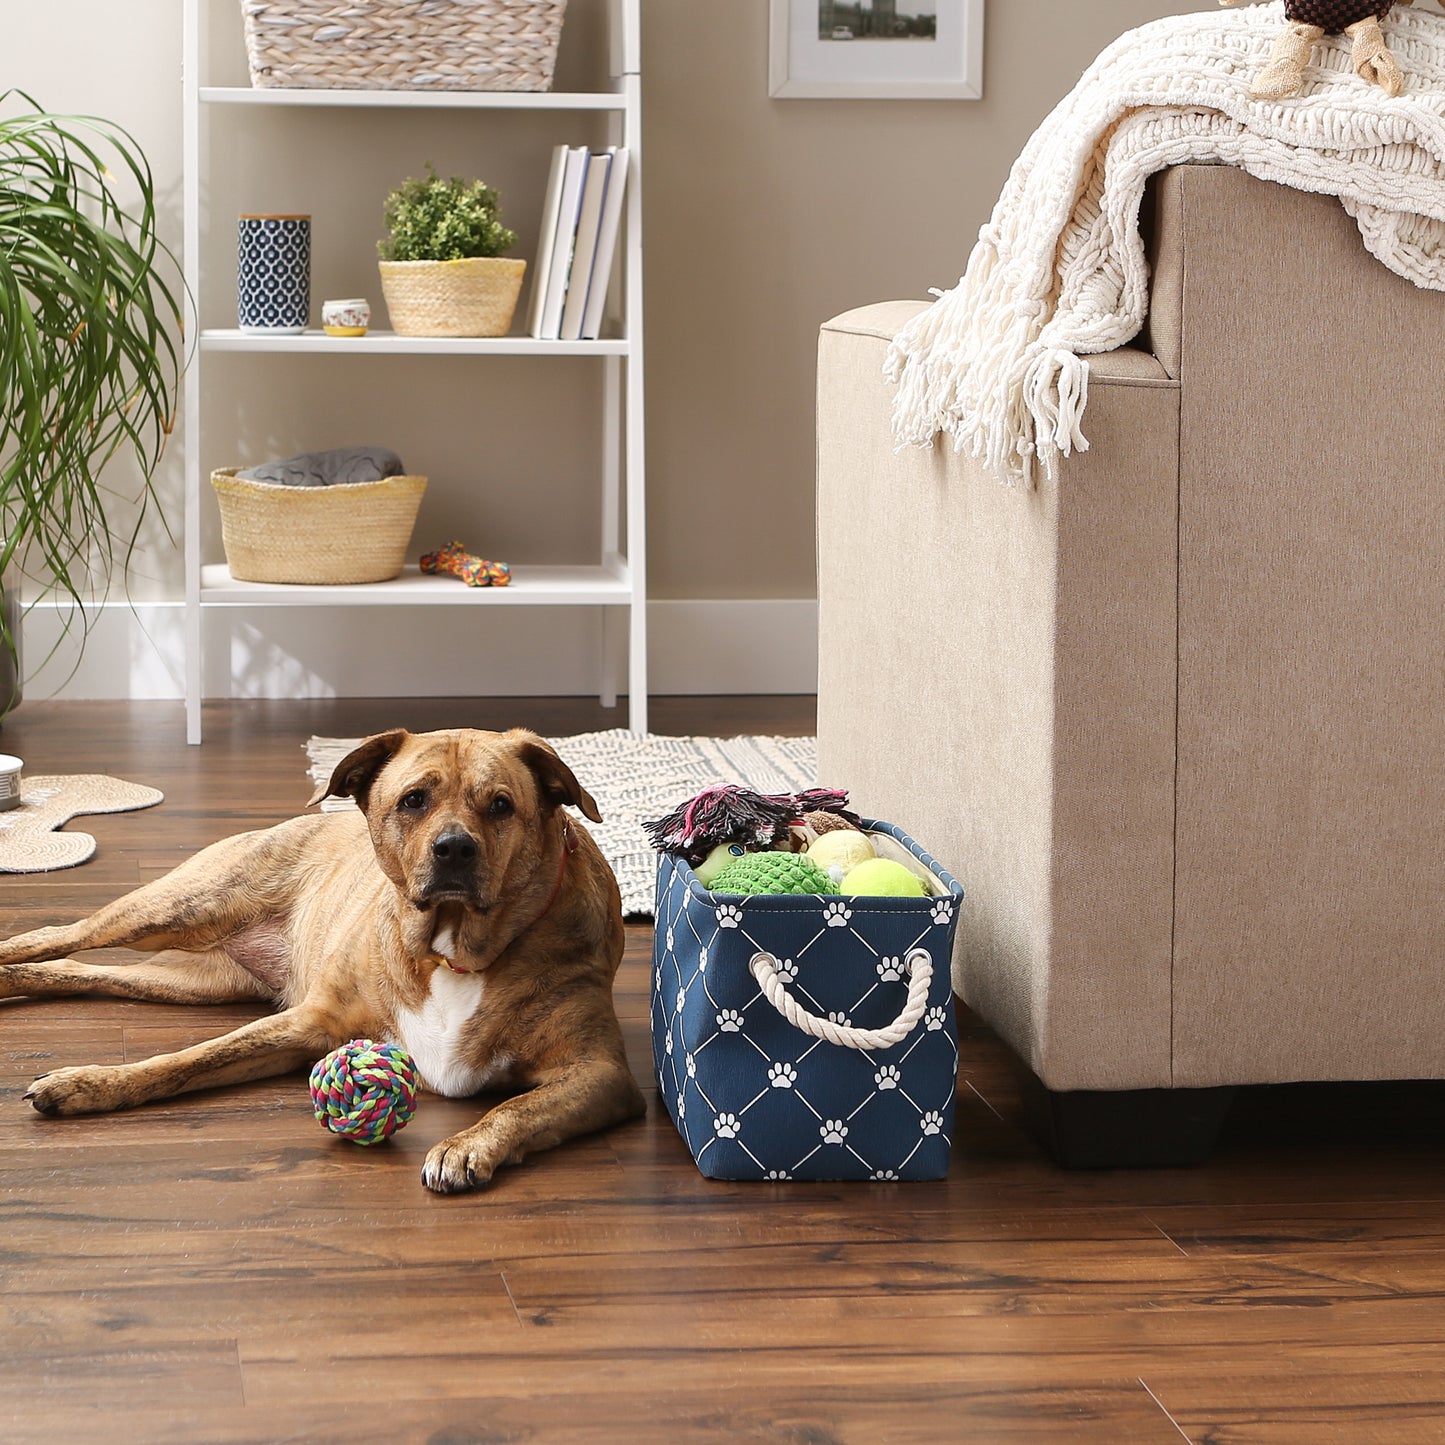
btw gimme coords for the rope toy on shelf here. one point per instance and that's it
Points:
(473, 570)
(364, 1091)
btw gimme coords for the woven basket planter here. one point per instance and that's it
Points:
(353, 532)
(475, 297)
(403, 44)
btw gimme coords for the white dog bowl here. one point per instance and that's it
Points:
(11, 777)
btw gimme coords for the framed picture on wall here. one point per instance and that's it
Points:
(876, 49)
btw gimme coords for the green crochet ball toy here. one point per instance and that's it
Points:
(773, 873)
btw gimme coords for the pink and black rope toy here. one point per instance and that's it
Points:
(730, 813)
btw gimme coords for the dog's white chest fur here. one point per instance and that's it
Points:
(432, 1035)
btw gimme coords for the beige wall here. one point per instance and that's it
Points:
(763, 218)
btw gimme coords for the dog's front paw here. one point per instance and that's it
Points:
(457, 1165)
(89, 1089)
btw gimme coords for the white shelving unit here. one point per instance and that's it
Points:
(618, 580)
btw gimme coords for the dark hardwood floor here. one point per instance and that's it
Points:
(217, 1268)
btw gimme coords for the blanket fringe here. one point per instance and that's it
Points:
(997, 363)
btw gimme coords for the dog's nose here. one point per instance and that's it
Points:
(455, 847)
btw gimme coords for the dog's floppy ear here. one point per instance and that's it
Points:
(356, 772)
(557, 781)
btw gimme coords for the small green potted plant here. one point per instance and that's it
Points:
(90, 358)
(444, 271)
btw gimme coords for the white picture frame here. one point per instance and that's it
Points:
(811, 58)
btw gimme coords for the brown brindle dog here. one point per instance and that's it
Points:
(479, 927)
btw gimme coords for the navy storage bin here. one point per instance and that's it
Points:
(807, 1037)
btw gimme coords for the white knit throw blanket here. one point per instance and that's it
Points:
(1059, 272)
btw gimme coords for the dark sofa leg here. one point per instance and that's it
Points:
(1131, 1129)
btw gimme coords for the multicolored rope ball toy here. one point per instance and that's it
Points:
(364, 1091)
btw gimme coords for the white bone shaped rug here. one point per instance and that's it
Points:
(28, 840)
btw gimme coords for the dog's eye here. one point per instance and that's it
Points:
(501, 807)
(413, 801)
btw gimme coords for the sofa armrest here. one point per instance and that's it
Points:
(1015, 733)
(882, 321)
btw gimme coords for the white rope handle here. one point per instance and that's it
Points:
(918, 962)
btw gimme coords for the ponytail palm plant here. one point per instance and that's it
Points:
(90, 356)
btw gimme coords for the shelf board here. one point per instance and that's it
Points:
(535, 586)
(429, 99)
(388, 343)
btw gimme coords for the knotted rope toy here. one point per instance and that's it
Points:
(730, 813)
(473, 570)
(364, 1091)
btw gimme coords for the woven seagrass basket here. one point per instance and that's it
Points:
(352, 532)
(403, 44)
(473, 297)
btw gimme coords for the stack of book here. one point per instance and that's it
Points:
(578, 238)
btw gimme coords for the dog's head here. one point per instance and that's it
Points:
(458, 817)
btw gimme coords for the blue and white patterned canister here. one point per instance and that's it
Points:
(273, 274)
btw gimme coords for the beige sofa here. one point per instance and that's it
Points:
(1177, 722)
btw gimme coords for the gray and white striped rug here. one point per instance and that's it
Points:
(635, 776)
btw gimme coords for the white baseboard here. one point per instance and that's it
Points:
(765, 646)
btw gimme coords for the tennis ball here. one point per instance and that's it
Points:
(883, 878)
(838, 853)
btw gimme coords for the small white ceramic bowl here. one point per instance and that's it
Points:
(346, 318)
(12, 775)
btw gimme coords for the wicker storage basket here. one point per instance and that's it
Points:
(403, 44)
(475, 297)
(353, 532)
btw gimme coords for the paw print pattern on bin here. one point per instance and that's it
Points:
(752, 1095)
